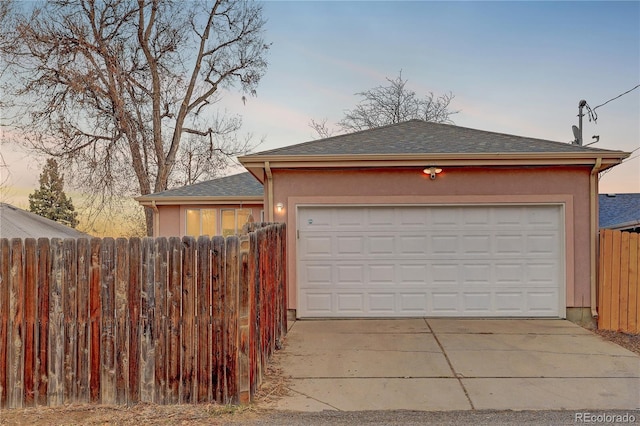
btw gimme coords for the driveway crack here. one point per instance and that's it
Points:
(315, 399)
(453, 370)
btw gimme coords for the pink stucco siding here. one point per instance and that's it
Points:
(568, 186)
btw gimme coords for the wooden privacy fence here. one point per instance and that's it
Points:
(122, 321)
(618, 281)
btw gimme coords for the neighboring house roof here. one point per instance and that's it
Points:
(18, 223)
(619, 211)
(238, 187)
(418, 142)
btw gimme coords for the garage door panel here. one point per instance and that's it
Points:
(382, 302)
(350, 274)
(412, 274)
(413, 303)
(510, 302)
(448, 261)
(476, 302)
(316, 246)
(381, 245)
(382, 274)
(317, 274)
(350, 302)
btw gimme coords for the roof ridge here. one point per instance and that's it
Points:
(419, 136)
(357, 132)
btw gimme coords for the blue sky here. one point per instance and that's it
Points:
(514, 67)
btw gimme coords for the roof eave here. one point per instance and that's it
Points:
(608, 158)
(148, 200)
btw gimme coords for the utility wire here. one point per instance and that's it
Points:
(591, 112)
(620, 95)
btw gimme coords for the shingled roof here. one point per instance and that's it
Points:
(240, 185)
(619, 211)
(18, 223)
(420, 137)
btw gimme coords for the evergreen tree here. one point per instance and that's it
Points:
(50, 201)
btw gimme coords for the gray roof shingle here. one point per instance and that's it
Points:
(420, 137)
(619, 210)
(240, 185)
(18, 223)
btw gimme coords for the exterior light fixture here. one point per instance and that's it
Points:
(432, 171)
(279, 207)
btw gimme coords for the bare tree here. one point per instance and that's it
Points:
(112, 87)
(390, 104)
(321, 128)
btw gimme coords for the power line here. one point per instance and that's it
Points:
(591, 112)
(612, 99)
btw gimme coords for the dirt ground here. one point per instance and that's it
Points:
(274, 387)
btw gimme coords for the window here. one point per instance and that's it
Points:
(201, 222)
(233, 220)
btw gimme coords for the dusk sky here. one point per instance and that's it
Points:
(514, 67)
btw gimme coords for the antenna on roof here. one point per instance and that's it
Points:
(577, 131)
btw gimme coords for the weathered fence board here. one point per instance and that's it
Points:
(135, 271)
(219, 331)
(122, 321)
(174, 312)
(203, 302)
(16, 326)
(188, 318)
(147, 310)
(5, 267)
(160, 320)
(83, 250)
(140, 320)
(56, 325)
(95, 309)
(42, 302)
(618, 281)
(31, 319)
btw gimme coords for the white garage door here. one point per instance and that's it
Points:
(484, 261)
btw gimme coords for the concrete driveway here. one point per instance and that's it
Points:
(455, 364)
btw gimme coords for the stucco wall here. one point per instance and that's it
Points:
(563, 185)
(169, 217)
